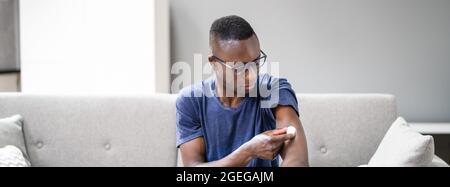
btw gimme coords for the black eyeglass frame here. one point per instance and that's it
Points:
(257, 62)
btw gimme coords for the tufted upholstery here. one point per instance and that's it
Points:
(345, 130)
(342, 130)
(96, 130)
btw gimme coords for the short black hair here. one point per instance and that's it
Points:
(231, 28)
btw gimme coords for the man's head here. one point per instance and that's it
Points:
(234, 42)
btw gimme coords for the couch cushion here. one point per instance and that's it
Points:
(345, 130)
(96, 130)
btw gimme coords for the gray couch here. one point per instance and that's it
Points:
(139, 130)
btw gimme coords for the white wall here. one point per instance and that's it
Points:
(401, 47)
(87, 46)
(162, 56)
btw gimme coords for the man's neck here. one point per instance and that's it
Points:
(232, 101)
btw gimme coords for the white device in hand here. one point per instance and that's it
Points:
(291, 130)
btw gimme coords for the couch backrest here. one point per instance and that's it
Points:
(342, 130)
(96, 130)
(345, 130)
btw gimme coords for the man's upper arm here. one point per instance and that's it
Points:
(294, 152)
(286, 113)
(187, 120)
(193, 152)
(189, 130)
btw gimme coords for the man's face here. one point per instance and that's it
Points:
(236, 53)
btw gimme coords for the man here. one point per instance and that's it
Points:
(221, 127)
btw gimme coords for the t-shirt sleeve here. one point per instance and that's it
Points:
(278, 92)
(187, 120)
(287, 95)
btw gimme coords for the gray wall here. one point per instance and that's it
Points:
(9, 49)
(401, 47)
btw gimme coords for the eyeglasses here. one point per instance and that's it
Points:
(240, 67)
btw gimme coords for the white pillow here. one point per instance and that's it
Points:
(438, 162)
(403, 147)
(11, 156)
(11, 133)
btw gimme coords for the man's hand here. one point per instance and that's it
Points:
(268, 144)
(265, 146)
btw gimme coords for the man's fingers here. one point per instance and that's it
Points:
(278, 131)
(282, 138)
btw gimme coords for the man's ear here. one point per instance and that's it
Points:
(211, 58)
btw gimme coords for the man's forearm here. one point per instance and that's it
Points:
(241, 157)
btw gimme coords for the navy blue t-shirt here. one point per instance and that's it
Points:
(201, 114)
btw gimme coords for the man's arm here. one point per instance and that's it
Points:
(265, 146)
(294, 152)
(193, 154)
